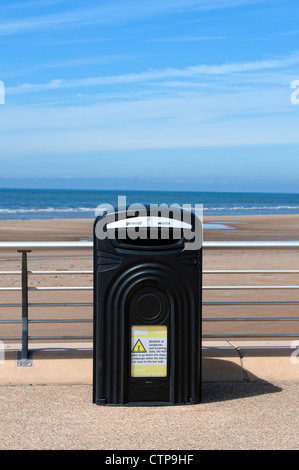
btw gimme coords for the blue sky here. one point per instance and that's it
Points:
(174, 93)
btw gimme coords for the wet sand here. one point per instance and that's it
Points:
(260, 227)
(240, 228)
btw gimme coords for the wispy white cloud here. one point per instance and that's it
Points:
(109, 13)
(77, 40)
(86, 61)
(145, 136)
(33, 4)
(38, 23)
(163, 74)
(290, 33)
(190, 119)
(188, 39)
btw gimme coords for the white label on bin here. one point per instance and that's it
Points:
(149, 351)
(149, 222)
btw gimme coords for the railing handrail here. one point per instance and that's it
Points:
(205, 271)
(23, 245)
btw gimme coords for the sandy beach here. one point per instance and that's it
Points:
(252, 227)
(279, 227)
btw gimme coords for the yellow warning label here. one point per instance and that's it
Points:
(139, 348)
(151, 342)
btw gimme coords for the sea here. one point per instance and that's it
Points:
(69, 203)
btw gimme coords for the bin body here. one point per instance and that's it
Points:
(147, 321)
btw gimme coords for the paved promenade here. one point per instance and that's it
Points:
(233, 415)
(250, 401)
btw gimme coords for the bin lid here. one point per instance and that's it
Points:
(150, 221)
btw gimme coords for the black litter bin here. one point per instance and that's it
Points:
(147, 308)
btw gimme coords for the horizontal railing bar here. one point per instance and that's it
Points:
(91, 288)
(205, 304)
(204, 336)
(206, 244)
(60, 288)
(61, 272)
(11, 338)
(247, 287)
(29, 245)
(253, 335)
(216, 271)
(251, 319)
(7, 273)
(89, 320)
(61, 304)
(10, 321)
(10, 305)
(252, 271)
(62, 320)
(47, 304)
(10, 288)
(45, 288)
(286, 302)
(54, 320)
(34, 338)
(251, 244)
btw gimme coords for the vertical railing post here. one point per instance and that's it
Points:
(23, 357)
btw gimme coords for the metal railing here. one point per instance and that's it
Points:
(26, 247)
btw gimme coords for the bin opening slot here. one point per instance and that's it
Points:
(149, 231)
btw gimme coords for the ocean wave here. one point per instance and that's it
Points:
(250, 208)
(57, 210)
(46, 209)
